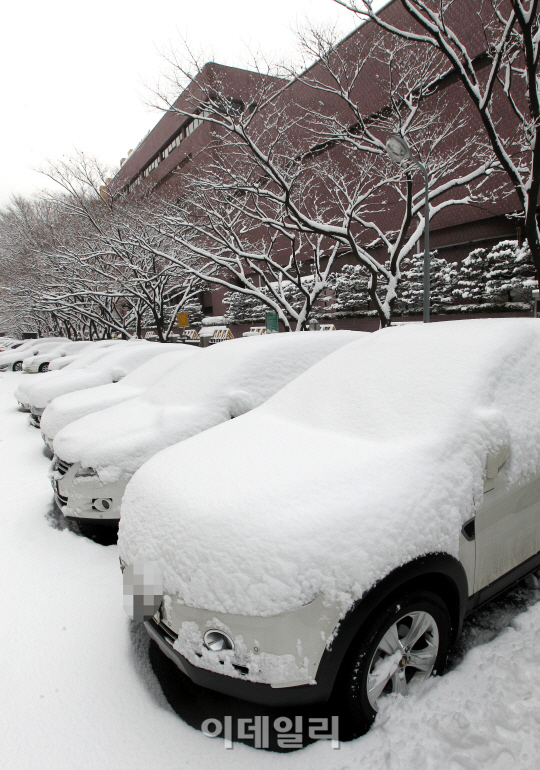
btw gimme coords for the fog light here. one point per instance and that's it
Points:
(102, 504)
(217, 641)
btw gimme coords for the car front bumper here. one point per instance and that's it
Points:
(275, 660)
(80, 497)
(35, 417)
(255, 692)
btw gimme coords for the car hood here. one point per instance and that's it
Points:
(74, 405)
(25, 388)
(373, 457)
(127, 435)
(43, 392)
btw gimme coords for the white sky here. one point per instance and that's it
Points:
(74, 73)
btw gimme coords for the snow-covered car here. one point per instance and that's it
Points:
(40, 363)
(82, 358)
(109, 368)
(89, 355)
(7, 343)
(330, 543)
(13, 359)
(97, 455)
(72, 406)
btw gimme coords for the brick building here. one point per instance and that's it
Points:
(182, 141)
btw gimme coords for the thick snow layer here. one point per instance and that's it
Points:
(25, 351)
(371, 458)
(109, 368)
(78, 691)
(94, 352)
(224, 381)
(72, 406)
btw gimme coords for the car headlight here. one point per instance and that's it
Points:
(86, 472)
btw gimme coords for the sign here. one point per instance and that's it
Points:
(271, 322)
(182, 320)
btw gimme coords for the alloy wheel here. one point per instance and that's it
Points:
(407, 651)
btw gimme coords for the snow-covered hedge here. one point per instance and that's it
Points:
(488, 279)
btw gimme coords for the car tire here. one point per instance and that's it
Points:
(44, 367)
(17, 366)
(412, 629)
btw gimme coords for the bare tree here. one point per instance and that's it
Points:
(290, 183)
(500, 76)
(103, 264)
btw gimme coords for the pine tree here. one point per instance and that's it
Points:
(350, 288)
(472, 277)
(505, 273)
(510, 273)
(443, 279)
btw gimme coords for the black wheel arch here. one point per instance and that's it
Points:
(438, 573)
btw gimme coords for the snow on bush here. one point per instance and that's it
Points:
(373, 457)
(443, 277)
(504, 273)
(350, 289)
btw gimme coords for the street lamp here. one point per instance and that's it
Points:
(398, 150)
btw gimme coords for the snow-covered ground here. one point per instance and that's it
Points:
(77, 689)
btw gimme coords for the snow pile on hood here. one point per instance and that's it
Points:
(370, 459)
(72, 406)
(109, 368)
(221, 382)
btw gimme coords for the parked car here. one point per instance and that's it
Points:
(109, 368)
(72, 406)
(329, 544)
(89, 355)
(97, 455)
(13, 359)
(7, 343)
(40, 362)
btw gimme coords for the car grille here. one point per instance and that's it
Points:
(62, 467)
(60, 499)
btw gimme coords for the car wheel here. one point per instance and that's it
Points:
(406, 642)
(17, 366)
(44, 367)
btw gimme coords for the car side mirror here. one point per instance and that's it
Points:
(63, 353)
(240, 402)
(495, 461)
(117, 374)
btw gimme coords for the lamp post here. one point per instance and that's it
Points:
(398, 150)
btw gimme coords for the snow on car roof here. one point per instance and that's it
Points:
(221, 382)
(72, 406)
(370, 459)
(111, 367)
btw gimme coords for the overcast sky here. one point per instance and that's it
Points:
(74, 74)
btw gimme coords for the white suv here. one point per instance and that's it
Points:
(330, 543)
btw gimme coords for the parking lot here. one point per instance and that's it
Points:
(79, 690)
